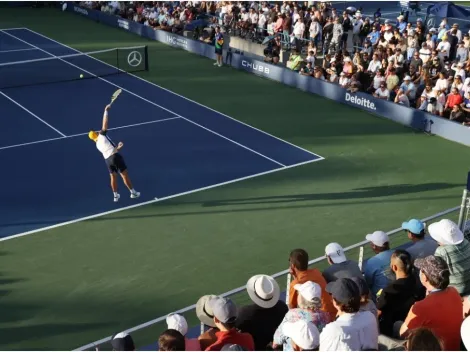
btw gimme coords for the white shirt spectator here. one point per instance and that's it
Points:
(262, 20)
(374, 65)
(295, 17)
(310, 59)
(378, 80)
(314, 29)
(403, 100)
(424, 54)
(299, 29)
(383, 94)
(344, 81)
(388, 35)
(245, 17)
(443, 49)
(351, 332)
(459, 71)
(442, 84)
(153, 14)
(254, 18)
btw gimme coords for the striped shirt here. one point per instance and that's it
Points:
(458, 258)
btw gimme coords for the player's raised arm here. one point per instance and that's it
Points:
(105, 118)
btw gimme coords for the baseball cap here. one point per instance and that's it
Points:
(407, 78)
(335, 252)
(93, 135)
(177, 322)
(343, 290)
(224, 309)
(304, 334)
(309, 290)
(122, 342)
(465, 333)
(379, 238)
(432, 266)
(446, 232)
(414, 226)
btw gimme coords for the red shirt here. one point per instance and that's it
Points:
(454, 99)
(440, 312)
(232, 337)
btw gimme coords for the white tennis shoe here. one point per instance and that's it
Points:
(116, 197)
(135, 195)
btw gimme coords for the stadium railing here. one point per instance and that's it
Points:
(145, 335)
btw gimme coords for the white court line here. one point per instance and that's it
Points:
(15, 50)
(36, 116)
(243, 288)
(86, 133)
(156, 200)
(149, 101)
(181, 96)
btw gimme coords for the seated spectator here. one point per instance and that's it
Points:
(367, 305)
(171, 340)
(382, 92)
(225, 316)
(333, 77)
(352, 330)
(428, 313)
(423, 245)
(340, 267)
(409, 89)
(428, 98)
(304, 335)
(402, 98)
(465, 333)
(307, 70)
(122, 342)
(374, 65)
(299, 270)
(376, 81)
(294, 62)
(377, 269)
(422, 339)
(455, 250)
(457, 114)
(179, 323)
(440, 102)
(309, 302)
(262, 318)
(453, 99)
(344, 80)
(395, 300)
(206, 316)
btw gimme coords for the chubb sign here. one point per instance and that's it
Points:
(80, 10)
(123, 24)
(255, 67)
(364, 102)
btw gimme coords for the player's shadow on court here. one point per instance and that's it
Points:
(359, 193)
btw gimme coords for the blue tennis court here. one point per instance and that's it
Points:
(52, 172)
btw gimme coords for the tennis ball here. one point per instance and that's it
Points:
(81, 76)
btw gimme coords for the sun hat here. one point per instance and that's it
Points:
(263, 290)
(204, 311)
(177, 322)
(335, 252)
(309, 290)
(379, 238)
(446, 232)
(304, 334)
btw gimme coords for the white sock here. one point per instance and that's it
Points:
(115, 194)
(133, 191)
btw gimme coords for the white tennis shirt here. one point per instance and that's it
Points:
(105, 145)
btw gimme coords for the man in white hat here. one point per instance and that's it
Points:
(304, 335)
(377, 269)
(340, 266)
(409, 88)
(179, 323)
(455, 250)
(263, 316)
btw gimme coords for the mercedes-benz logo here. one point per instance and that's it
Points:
(134, 58)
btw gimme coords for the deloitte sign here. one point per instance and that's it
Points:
(364, 102)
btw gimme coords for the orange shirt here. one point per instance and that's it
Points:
(440, 312)
(232, 337)
(316, 276)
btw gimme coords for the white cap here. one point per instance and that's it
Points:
(407, 78)
(379, 238)
(177, 322)
(347, 59)
(335, 252)
(446, 232)
(303, 334)
(309, 290)
(465, 333)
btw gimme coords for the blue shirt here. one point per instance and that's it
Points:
(374, 36)
(401, 26)
(377, 272)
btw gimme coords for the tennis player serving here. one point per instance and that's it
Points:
(114, 160)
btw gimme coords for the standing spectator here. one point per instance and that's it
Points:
(423, 245)
(424, 53)
(299, 270)
(337, 35)
(315, 32)
(225, 316)
(179, 323)
(309, 311)
(261, 318)
(340, 267)
(434, 275)
(395, 300)
(443, 49)
(455, 250)
(171, 340)
(462, 52)
(304, 335)
(219, 43)
(377, 269)
(352, 330)
(356, 32)
(347, 26)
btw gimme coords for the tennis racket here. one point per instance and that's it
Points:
(115, 95)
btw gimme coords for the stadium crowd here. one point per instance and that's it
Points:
(415, 299)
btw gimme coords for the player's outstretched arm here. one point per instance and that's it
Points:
(105, 118)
